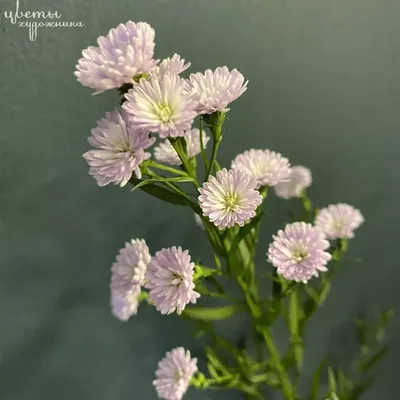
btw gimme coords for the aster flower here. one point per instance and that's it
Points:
(298, 252)
(127, 277)
(174, 65)
(126, 51)
(300, 178)
(165, 153)
(174, 373)
(214, 90)
(266, 166)
(124, 305)
(119, 149)
(170, 280)
(338, 221)
(229, 198)
(159, 105)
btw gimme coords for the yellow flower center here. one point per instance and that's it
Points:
(338, 224)
(299, 254)
(164, 112)
(232, 202)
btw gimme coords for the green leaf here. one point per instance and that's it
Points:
(201, 272)
(360, 388)
(332, 384)
(251, 390)
(316, 380)
(212, 371)
(385, 317)
(324, 292)
(212, 314)
(214, 360)
(161, 193)
(373, 360)
(344, 384)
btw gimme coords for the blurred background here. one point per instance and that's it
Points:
(324, 90)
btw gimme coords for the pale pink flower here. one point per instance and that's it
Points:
(169, 277)
(299, 252)
(125, 52)
(230, 198)
(215, 90)
(159, 105)
(339, 221)
(266, 166)
(174, 373)
(120, 149)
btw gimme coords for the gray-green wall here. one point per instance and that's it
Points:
(324, 90)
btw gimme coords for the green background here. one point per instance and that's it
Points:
(324, 91)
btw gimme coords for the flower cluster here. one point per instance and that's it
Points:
(159, 103)
(159, 100)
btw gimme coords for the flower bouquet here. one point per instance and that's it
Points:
(187, 118)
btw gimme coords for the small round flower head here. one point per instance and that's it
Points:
(266, 166)
(165, 153)
(119, 149)
(230, 198)
(125, 52)
(338, 221)
(131, 264)
(124, 305)
(174, 373)
(174, 65)
(169, 277)
(298, 252)
(159, 105)
(127, 277)
(214, 90)
(300, 179)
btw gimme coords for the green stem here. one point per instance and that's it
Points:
(216, 143)
(256, 313)
(177, 144)
(154, 164)
(293, 324)
(287, 387)
(203, 152)
(173, 187)
(307, 206)
(215, 122)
